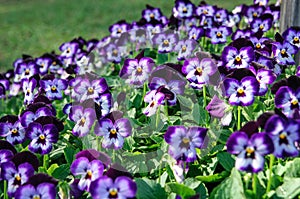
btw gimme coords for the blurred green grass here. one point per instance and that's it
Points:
(37, 26)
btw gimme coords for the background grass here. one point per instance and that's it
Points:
(37, 26)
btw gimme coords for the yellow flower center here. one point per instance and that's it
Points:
(36, 197)
(282, 136)
(199, 70)
(14, 131)
(54, 63)
(82, 121)
(90, 89)
(151, 15)
(89, 174)
(258, 45)
(27, 71)
(166, 42)
(184, 9)
(42, 137)
(238, 59)
(119, 30)
(219, 34)
(254, 14)
(249, 151)
(113, 131)
(261, 26)
(294, 102)
(68, 50)
(218, 16)
(139, 69)
(113, 192)
(18, 178)
(185, 140)
(296, 39)
(240, 91)
(183, 48)
(283, 51)
(42, 65)
(53, 88)
(205, 12)
(115, 52)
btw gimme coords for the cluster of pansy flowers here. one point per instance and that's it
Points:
(245, 69)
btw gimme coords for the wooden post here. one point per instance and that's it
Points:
(290, 16)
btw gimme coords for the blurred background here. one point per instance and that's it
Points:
(34, 27)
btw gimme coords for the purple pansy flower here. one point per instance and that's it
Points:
(264, 77)
(54, 88)
(198, 72)
(69, 49)
(288, 100)
(258, 44)
(283, 52)
(29, 116)
(118, 28)
(136, 71)
(44, 64)
(42, 137)
(183, 142)
(165, 41)
(234, 58)
(113, 132)
(28, 89)
(151, 13)
(121, 187)
(284, 134)
(5, 156)
(183, 9)
(219, 109)
(26, 69)
(155, 99)
(103, 105)
(113, 52)
(14, 132)
(84, 119)
(220, 15)
(218, 35)
(16, 176)
(261, 2)
(253, 12)
(241, 93)
(90, 90)
(184, 48)
(263, 23)
(42, 191)
(250, 152)
(245, 33)
(89, 171)
(205, 9)
(292, 35)
(195, 33)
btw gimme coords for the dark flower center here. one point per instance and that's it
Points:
(183, 49)
(250, 152)
(219, 35)
(151, 15)
(42, 139)
(68, 50)
(185, 143)
(113, 133)
(294, 104)
(184, 10)
(88, 175)
(258, 46)
(166, 43)
(238, 60)
(240, 92)
(205, 12)
(53, 89)
(17, 180)
(14, 131)
(27, 71)
(54, 63)
(113, 193)
(139, 69)
(198, 71)
(261, 26)
(119, 30)
(283, 139)
(254, 14)
(296, 40)
(283, 53)
(90, 90)
(82, 121)
(36, 197)
(218, 16)
(152, 103)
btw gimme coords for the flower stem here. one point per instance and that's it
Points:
(272, 159)
(144, 92)
(98, 143)
(5, 189)
(45, 162)
(205, 104)
(254, 183)
(166, 111)
(239, 117)
(157, 117)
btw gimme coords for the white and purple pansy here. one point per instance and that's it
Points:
(5, 156)
(241, 93)
(195, 33)
(28, 89)
(16, 176)
(113, 132)
(183, 9)
(292, 35)
(198, 72)
(54, 88)
(218, 35)
(234, 58)
(88, 171)
(84, 119)
(29, 116)
(90, 89)
(44, 64)
(252, 12)
(69, 49)
(288, 100)
(262, 23)
(14, 132)
(103, 105)
(283, 52)
(284, 133)
(105, 187)
(26, 69)
(43, 190)
(155, 99)
(42, 137)
(165, 42)
(117, 29)
(264, 78)
(250, 151)
(185, 48)
(151, 13)
(136, 71)
(184, 141)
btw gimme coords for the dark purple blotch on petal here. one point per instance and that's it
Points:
(26, 156)
(250, 128)
(117, 170)
(92, 154)
(41, 178)
(8, 146)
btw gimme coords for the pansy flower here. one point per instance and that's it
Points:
(205, 9)
(153, 29)
(206, 22)
(245, 33)
(117, 29)
(165, 41)
(16, 176)
(219, 109)
(151, 13)
(90, 89)
(85, 64)
(283, 52)
(284, 134)
(54, 88)
(84, 119)
(241, 93)
(42, 137)
(220, 15)
(69, 49)
(264, 78)
(113, 52)
(136, 71)
(5, 156)
(288, 100)
(234, 58)
(26, 69)
(183, 142)
(183, 9)
(41, 191)
(113, 132)
(154, 100)
(28, 89)
(89, 171)
(218, 35)
(184, 48)
(252, 12)
(103, 105)
(292, 35)
(43, 64)
(14, 132)
(261, 2)
(31, 115)
(195, 33)
(250, 151)
(263, 23)
(198, 72)
(105, 187)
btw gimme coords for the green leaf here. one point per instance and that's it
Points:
(293, 168)
(289, 189)
(149, 189)
(226, 160)
(52, 168)
(180, 189)
(162, 58)
(232, 187)
(61, 172)
(213, 178)
(184, 101)
(69, 154)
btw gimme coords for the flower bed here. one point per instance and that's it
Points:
(204, 103)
